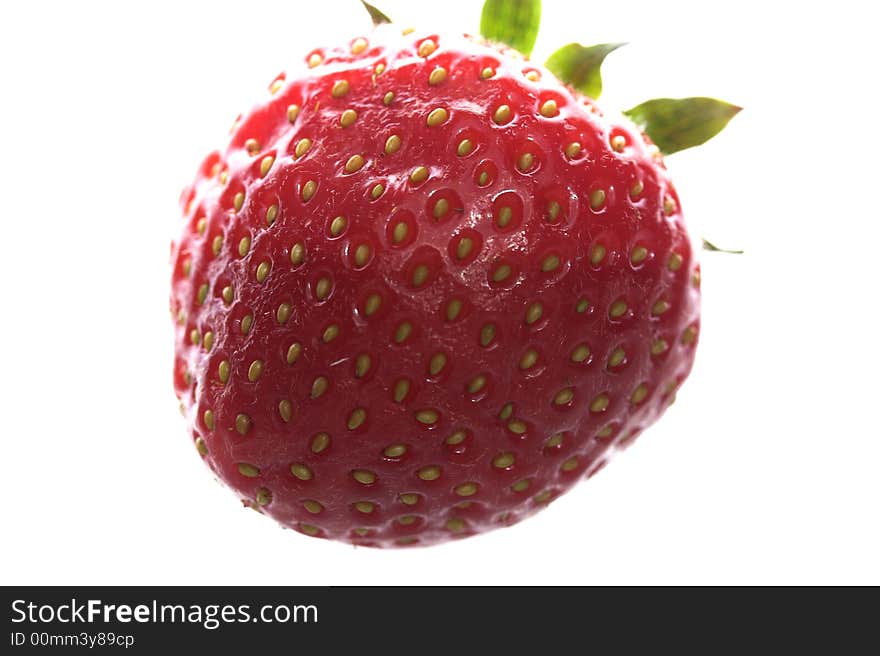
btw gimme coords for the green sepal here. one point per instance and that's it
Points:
(376, 15)
(512, 22)
(580, 66)
(678, 123)
(709, 246)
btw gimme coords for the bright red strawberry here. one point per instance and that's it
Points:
(424, 290)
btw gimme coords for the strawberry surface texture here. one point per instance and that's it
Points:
(424, 290)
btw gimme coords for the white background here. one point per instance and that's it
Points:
(767, 469)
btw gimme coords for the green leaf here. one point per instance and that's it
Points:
(580, 66)
(376, 15)
(512, 22)
(709, 246)
(678, 123)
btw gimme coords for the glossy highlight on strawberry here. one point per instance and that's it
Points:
(424, 290)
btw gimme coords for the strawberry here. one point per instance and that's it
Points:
(424, 290)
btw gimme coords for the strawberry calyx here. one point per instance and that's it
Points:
(712, 248)
(678, 123)
(579, 66)
(376, 15)
(514, 23)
